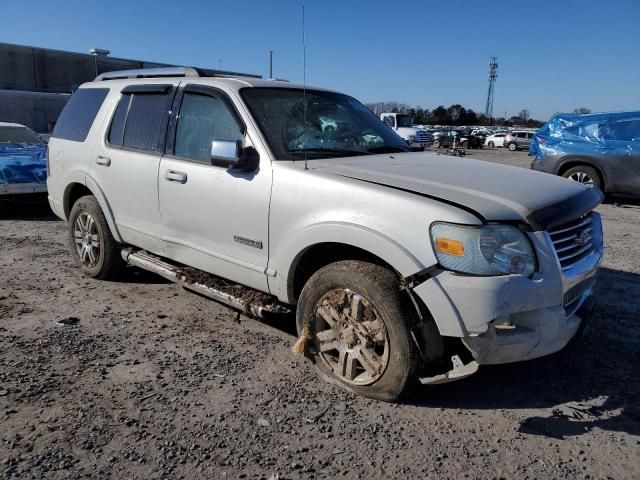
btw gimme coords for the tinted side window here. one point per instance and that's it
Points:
(116, 130)
(146, 122)
(202, 119)
(78, 114)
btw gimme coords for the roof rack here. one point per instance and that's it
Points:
(170, 72)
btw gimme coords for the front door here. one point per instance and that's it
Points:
(213, 218)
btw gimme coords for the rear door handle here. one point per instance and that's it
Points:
(174, 176)
(104, 161)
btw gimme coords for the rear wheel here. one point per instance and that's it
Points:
(436, 144)
(491, 144)
(92, 246)
(513, 147)
(583, 174)
(465, 144)
(359, 324)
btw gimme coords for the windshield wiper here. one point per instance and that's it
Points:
(388, 149)
(332, 151)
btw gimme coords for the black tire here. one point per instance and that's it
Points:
(380, 288)
(491, 144)
(436, 144)
(512, 147)
(465, 144)
(581, 173)
(108, 263)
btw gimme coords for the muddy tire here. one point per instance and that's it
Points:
(92, 246)
(359, 325)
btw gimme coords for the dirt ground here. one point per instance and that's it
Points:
(156, 382)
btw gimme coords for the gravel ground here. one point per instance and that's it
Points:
(155, 382)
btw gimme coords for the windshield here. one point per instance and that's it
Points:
(404, 120)
(18, 135)
(317, 124)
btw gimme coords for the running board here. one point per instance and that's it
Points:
(256, 303)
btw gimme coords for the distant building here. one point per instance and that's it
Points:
(35, 83)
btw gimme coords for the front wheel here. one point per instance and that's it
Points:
(436, 144)
(491, 144)
(359, 324)
(465, 144)
(92, 246)
(513, 147)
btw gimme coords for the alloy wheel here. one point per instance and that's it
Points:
(582, 177)
(350, 337)
(87, 238)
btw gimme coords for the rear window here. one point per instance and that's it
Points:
(18, 136)
(140, 121)
(79, 113)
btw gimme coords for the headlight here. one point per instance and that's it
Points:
(411, 138)
(483, 250)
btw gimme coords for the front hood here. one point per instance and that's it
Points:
(492, 191)
(408, 130)
(23, 164)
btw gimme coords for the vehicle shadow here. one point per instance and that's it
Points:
(623, 201)
(594, 383)
(37, 211)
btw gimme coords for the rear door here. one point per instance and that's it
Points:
(213, 218)
(126, 161)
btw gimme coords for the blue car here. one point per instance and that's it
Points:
(599, 150)
(23, 164)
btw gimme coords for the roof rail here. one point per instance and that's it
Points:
(149, 73)
(160, 72)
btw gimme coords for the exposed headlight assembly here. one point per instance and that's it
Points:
(483, 250)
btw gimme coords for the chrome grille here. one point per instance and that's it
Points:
(573, 241)
(422, 137)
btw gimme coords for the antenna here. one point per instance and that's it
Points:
(304, 86)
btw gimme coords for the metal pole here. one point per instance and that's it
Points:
(270, 63)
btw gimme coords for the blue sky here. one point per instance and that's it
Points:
(552, 55)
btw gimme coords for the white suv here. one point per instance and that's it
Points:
(400, 265)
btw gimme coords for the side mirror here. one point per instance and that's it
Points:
(230, 154)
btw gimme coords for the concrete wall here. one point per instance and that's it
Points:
(31, 76)
(54, 71)
(32, 109)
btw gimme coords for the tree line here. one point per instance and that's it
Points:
(453, 115)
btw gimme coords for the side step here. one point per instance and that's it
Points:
(251, 302)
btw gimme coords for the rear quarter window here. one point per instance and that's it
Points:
(79, 113)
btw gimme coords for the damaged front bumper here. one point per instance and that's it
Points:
(512, 318)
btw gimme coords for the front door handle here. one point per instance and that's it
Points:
(104, 161)
(174, 176)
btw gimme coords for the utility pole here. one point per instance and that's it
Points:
(493, 74)
(270, 63)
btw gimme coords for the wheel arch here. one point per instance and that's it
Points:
(323, 244)
(570, 162)
(87, 186)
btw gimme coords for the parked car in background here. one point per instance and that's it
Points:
(518, 140)
(402, 124)
(495, 140)
(599, 150)
(462, 139)
(23, 164)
